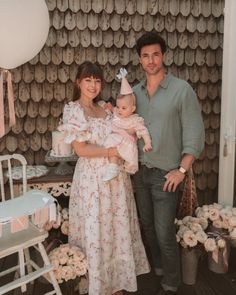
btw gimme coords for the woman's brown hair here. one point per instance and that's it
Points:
(85, 70)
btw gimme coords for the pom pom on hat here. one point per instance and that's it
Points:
(125, 87)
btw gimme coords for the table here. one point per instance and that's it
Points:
(54, 184)
(23, 205)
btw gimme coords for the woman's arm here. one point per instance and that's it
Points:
(84, 149)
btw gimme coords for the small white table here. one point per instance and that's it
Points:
(26, 204)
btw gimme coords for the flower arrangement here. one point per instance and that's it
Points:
(210, 229)
(190, 231)
(221, 225)
(69, 262)
(62, 221)
(65, 221)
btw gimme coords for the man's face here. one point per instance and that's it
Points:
(151, 59)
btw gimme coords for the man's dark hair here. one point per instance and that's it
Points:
(150, 38)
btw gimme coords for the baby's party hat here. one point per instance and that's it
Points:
(125, 88)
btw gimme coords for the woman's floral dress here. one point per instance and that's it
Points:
(102, 215)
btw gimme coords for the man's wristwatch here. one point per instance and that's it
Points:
(182, 170)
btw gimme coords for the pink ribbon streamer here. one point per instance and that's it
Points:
(12, 117)
(216, 253)
(41, 216)
(19, 223)
(10, 96)
(2, 123)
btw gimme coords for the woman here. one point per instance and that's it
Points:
(103, 218)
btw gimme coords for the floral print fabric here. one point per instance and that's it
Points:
(103, 218)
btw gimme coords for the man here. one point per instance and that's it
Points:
(172, 115)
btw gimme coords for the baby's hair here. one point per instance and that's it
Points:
(131, 95)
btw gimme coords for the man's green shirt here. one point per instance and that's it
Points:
(173, 118)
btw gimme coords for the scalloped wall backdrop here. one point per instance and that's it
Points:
(105, 31)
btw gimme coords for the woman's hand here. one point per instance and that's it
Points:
(113, 152)
(109, 106)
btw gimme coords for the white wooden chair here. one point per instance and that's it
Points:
(20, 242)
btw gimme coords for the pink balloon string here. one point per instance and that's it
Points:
(10, 96)
(2, 123)
(12, 117)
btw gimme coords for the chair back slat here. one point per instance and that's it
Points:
(10, 178)
(2, 183)
(6, 166)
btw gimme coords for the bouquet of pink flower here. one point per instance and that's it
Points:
(62, 221)
(221, 225)
(69, 262)
(190, 231)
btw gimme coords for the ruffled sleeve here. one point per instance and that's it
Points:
(74, 123)
(140, 128)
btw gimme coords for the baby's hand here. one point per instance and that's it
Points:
(147, 147)
(109, 106)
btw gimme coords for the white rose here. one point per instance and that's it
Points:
(221, 243)
(195, 227)
(217, 206)
(190, 238)
(68, 273)
(233, 211)
(205, 214)
(210, 244)
(203, 221)
(63, 258)
(81, 269)
(64, 248)
(58, 274)
(182, 230)
(225, 213)
(217, 223)
(214, 214)
(232, 221)
(186, 219)
(201, 236)
(47, 226)
(205, 208)
(65, 213)
(65, 227)
(55, 224)
(179, 222)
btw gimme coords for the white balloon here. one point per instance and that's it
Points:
(24, 26)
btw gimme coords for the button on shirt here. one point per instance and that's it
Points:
(173, 118)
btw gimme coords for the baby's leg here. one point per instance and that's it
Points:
(112, 169)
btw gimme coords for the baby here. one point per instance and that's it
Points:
(126, 128)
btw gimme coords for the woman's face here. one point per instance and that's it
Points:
(90, 87)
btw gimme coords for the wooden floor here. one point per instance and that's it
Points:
(208, 283)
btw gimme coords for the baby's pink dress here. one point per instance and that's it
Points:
(127, 144)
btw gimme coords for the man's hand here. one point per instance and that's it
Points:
(173, 179)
